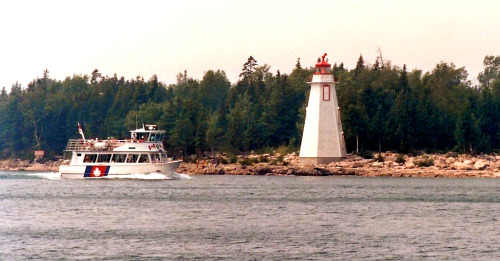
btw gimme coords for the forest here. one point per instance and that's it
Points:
(383, 107)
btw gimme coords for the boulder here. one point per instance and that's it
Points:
(440, 163)
(409, 165)
(377, 164)
(357, 165)
(480, 165)
(462, 166)
(450, 160)
(262, 170)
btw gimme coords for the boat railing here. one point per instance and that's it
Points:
(93, 145)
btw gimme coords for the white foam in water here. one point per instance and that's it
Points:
(140, 176)
(46, 175)
(181, 176)
(149, 176)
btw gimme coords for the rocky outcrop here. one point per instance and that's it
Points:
(386, 165)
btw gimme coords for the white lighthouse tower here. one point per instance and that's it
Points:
(323, 138)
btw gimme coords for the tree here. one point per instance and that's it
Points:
(360, 65)
(402, 116)
(491, 71)
(215, 133)
(298, 65)
(248, 67)
(214, 90)
(466, 132)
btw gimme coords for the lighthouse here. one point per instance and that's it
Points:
(323, 138)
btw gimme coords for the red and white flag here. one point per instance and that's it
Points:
(80, 131)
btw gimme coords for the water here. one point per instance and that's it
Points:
(248, 218)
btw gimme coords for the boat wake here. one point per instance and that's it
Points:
(145, 176)
(56, 175)
(45, 175)
(150, 176)
(181, 176)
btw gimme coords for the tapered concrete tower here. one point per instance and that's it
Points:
(323, 138)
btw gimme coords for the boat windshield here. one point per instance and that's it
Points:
(156, 137)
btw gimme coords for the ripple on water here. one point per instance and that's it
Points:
(245, 218)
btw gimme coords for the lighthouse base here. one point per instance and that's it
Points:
(320, 160)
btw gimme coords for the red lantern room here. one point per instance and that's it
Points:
(323, 67)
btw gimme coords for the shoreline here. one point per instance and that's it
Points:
(388, 165)
(426, 165)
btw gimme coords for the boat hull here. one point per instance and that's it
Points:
(100, 171)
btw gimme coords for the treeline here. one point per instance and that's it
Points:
(383, 107)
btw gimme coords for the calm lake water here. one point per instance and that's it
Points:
(248, 218)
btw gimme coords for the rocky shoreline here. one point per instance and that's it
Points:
(384, 165)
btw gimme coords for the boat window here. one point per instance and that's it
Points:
(90, 158)
(142, 136)
(119, 158)
(67, 155)
(104, 158)
(132, 158)
(143, 158)
(152, 137)
(159, 137)
(164, 156)
(156, 157)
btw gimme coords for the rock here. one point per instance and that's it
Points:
(409, 165)
(262, 170)
(377, 164)
(357, 165)
(480, 165)
(440, 163)
(468, 162)
(450, 160)
(461, 166)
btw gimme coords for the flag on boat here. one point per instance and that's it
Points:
(96, 171)
(80, 131)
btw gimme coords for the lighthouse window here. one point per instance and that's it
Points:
(326, 92)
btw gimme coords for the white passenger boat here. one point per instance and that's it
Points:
(143, 153)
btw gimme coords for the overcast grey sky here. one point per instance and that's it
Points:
(134, 38)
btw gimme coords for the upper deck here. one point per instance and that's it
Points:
(143, 139)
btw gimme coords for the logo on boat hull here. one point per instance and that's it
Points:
(96, 171)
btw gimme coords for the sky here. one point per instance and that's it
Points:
(142, 38)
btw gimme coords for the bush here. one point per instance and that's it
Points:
(263, 159)
(248, 162)
(233, 159)
(425, 162)
(401, 159)
(223, 161)
(366, 154)
(379, 158)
